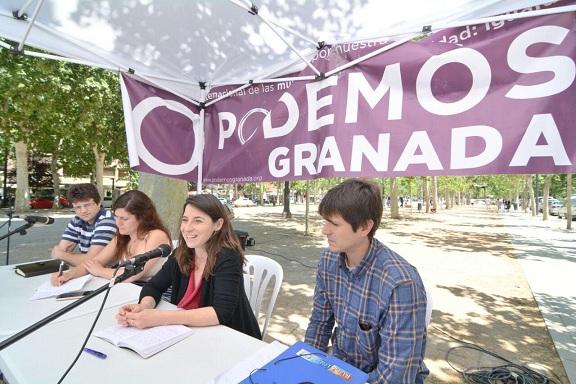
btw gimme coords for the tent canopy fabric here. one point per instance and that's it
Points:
(181, 43)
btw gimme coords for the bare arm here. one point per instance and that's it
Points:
(64, 251)
(155, 239)
(144, 315)
(94, 265)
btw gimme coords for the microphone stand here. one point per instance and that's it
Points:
(129, 271)
(21, 230)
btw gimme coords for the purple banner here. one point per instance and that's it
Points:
(162, 130)
(485, 99)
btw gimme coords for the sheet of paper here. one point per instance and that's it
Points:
(241, 370)
(48, 290)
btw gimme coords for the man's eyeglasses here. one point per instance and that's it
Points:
(254, 371)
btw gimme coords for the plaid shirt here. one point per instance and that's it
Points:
(379, 308)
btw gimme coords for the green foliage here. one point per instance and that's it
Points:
(61, 109)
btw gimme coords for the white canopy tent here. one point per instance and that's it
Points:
(179, 44)
(188, 47)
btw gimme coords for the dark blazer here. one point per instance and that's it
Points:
(224, 291)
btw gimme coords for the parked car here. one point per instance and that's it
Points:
(551, 201)
(562, 212)
(243, 202)
(555, 207)
(46, 201)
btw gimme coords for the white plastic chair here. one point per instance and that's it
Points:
(258, 273)
(429, 304)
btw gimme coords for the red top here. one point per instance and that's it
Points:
(191, 298)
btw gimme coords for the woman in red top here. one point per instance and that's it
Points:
(205, 274)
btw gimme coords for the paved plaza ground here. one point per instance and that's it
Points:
(485, 270)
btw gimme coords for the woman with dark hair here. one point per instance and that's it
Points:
(205, 274)
(140, 230)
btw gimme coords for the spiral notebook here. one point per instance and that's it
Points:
(303, 363)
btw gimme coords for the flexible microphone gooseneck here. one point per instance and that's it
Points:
(39, 219)
(162, 251)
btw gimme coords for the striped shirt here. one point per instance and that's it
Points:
(379, 309)
(85, 234)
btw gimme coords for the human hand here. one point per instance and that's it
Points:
(95, 268)
(136, 315)
(124, 310)
(57, 280)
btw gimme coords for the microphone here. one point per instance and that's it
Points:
(162, 251)
(39, 220)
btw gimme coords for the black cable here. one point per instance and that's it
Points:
(89, 332)
(508, 373)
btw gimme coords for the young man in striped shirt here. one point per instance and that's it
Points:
(368, 300)
(91, 229)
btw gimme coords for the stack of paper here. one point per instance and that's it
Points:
(49, 290)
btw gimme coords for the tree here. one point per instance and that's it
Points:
(394, 210)
(69, 111)
(168, 195)
(569, 201)
(425, 193)
(286, 212)
(545, 194)
(434, 187)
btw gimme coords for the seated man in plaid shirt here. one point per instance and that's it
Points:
(373, 297)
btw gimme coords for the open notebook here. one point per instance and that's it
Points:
(145, 342)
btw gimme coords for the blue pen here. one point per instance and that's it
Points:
(95, 353)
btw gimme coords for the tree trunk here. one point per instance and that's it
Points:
(532, 199)
(307, 196)
(168, 195)
(5, 198)
(569, 201)
(55, 179)
(546, 192)
(99, 176)
(426, 194)
(286, 212)
(22, 198)
(394, 210)
(434, 185)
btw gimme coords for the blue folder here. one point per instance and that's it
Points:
(302, 363)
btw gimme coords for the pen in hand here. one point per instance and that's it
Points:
(61, 268)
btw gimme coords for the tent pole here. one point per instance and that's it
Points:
(195, 102)
(21, 11)
(246, 7)
(114, 63)
(369, 55)
(308, 63)
(201, 157)
(254, 11)
(263, 81)
(30, 24)
(508, 16)
(513, 16)
(454, 25)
